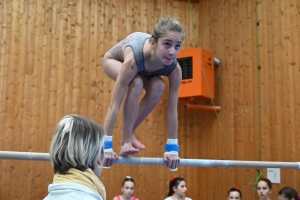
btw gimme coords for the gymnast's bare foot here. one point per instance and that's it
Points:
(136, 144)
(127, 149)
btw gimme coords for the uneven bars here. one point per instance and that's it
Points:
(14, 155)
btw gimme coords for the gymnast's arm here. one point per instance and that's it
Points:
(127, 73)
(172, 116)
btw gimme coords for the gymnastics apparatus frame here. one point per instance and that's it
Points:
(33, 156)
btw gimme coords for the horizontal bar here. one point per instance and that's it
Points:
(13, 155)
(17, 155)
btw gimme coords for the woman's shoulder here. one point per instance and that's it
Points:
(71, 191)
(117, 198)
(168, 198)
(186, 198)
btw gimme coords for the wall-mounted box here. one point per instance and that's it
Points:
(197, 84)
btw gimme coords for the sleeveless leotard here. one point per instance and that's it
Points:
(136, 41)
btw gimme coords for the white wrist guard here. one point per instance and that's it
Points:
(172, 147)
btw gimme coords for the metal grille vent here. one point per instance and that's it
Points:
(186, 65)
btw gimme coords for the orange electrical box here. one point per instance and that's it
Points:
(197, 84)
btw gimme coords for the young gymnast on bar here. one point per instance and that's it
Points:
(137, 63)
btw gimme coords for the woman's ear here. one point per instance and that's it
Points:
(152, 42)
(174, 188)
(99, 161)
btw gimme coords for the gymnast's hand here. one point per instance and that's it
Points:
(109, 159)
(172, 160)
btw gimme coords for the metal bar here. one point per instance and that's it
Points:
(16, 155)
(13, 155)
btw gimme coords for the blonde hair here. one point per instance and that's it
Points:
(77, 143)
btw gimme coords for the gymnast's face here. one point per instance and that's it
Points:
(128, 189)
(263, 190)
(168, 47)
(181, 189)
(234, 195)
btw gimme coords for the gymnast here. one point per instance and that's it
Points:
(177, 189)
(234, 194)
(288, 193)
(137, 63)
(128, 186)
(264, 188)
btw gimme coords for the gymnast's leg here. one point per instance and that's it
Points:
(154, 86)
(129, 114)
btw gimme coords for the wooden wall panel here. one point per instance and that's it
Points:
(279, 44)
(227, 28)
(51, 64)
(260, 112)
